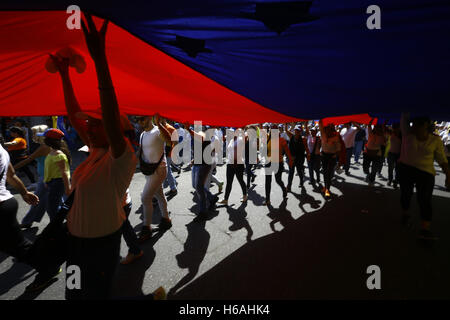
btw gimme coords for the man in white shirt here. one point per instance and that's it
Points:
(348, 134)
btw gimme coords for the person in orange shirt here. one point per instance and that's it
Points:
(282, 149)
(17, 149)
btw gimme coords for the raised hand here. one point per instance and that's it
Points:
(157, 119)
(95, 39)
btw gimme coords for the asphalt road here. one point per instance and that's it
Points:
(305, 248)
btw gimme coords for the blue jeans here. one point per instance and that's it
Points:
(35, 213)
(194, 174)
(170, 180)
(55, 195)
(203, 194)
(358, 149)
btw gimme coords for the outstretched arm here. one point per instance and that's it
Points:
(14, 180)
(70, 100)
(164, 133)
(42, 151)
(95, 41)
(369, 127)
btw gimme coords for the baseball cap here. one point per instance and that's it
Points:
(51, 133)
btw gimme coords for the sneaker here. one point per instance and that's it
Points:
(244, 198)
(145, 234)
(224, 202)
(159, 294)
(42, 281)
(427, 235)
(171, 193)
(220, 185)
(165, 224)
(130, 258)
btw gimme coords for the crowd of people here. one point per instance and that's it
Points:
(95, 196)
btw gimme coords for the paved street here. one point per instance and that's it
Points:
(306, 248)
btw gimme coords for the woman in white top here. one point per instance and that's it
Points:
(96, 217)
(153, 140)
(420, 148)
(331, 146)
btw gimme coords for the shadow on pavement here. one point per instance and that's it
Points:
(325, 255)
(195, 249)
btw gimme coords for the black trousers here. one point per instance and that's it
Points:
(392, 165)
(314, 166)
(249, 172)
(411, 177)
(97, 259)
(278, 179)
(371, 166)
(12, 241)
(128, 232)
(238, 171)
(298, 164)
(328, 165)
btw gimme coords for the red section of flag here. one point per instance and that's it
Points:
(359, 118)
(146, 80)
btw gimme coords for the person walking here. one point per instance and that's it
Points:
(331, 147)
(395, 142)
(96, 217)
(235, 166)
(299, 150)
(152, 139)
(419, 149)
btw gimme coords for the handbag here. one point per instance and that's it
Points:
(147, 168)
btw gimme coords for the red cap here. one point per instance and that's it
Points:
(52, 134)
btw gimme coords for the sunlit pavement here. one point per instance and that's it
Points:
(305, 248)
